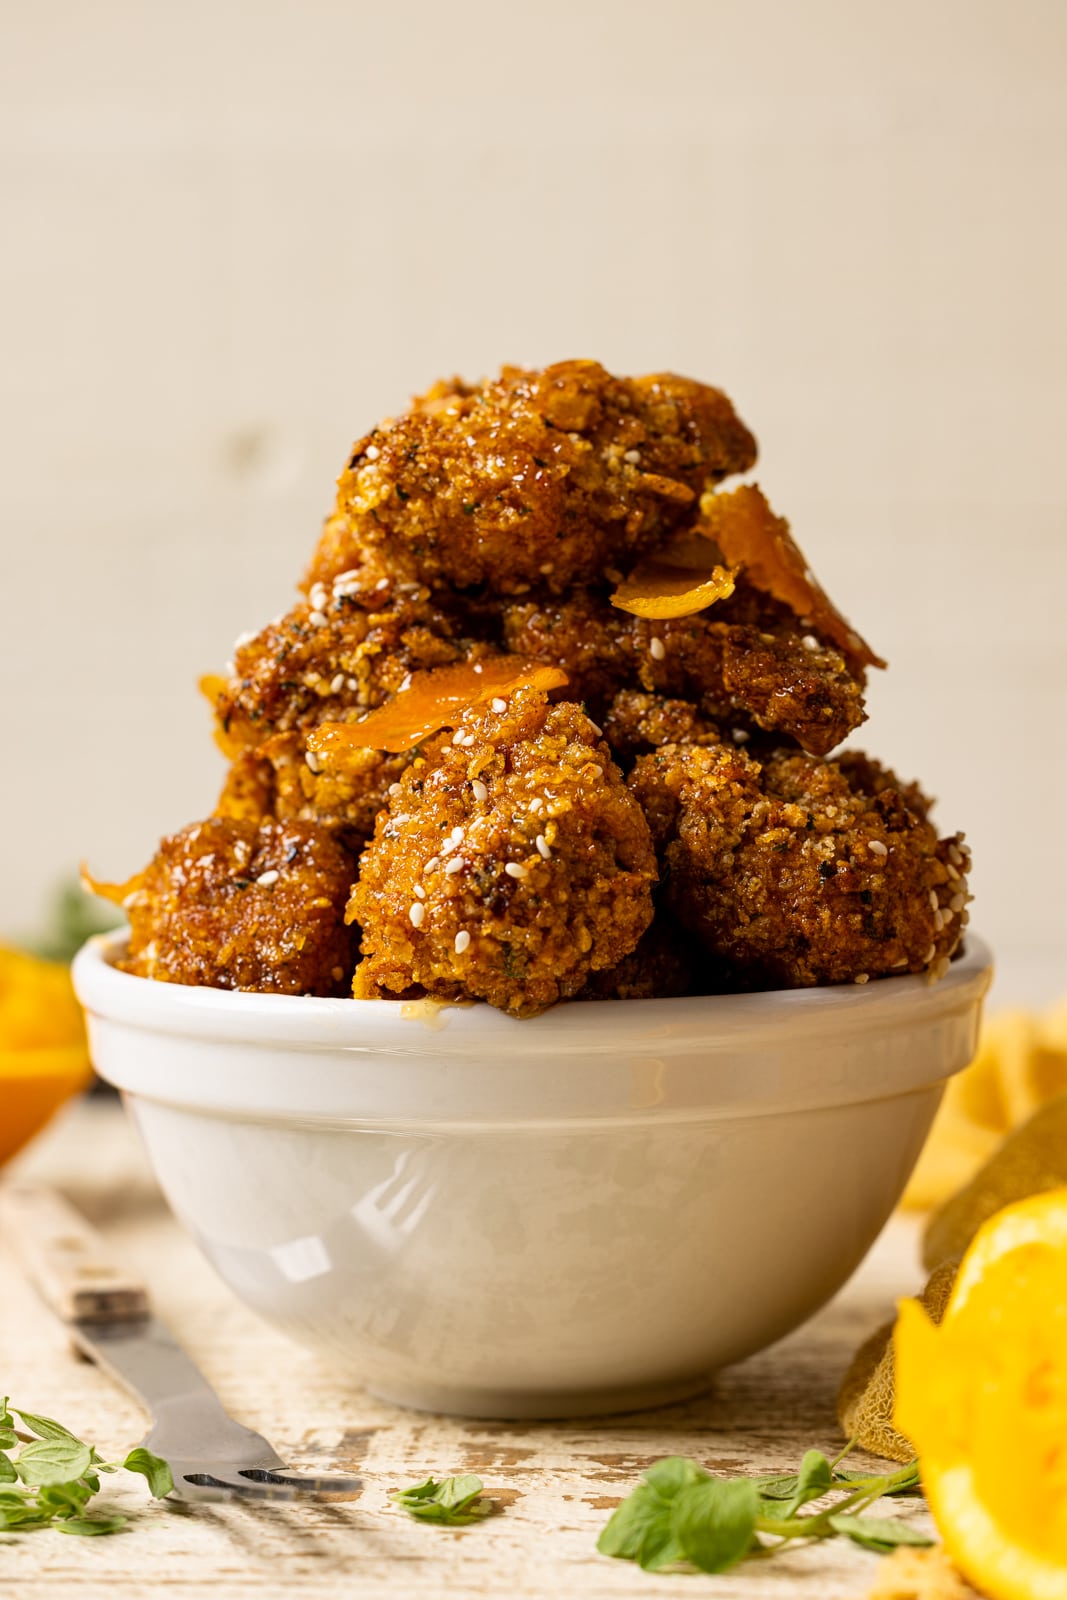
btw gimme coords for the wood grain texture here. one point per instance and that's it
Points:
(554, 1483)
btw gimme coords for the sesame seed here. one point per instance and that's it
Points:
(463, 940)
(954, 855)
(546, 567)
(350, 576)
(353, 683)
(394, 788)
(318, 597)
(515, 870)
(433, 864)
(455, 865)
(457, 737)
(241, 640)
(657, 649)
(536, 804)
(543, 847)
(479, 790)
(420, 892)
(903, 962)
(861, 977)
(939, 921)
(876, 847)
(934, 902)
(929, 956)
(448, 847)
(632, 456)
(810, 642)
(499, 705)
(740, 736)
(317, 619)
(946, 915)
(595, 770)
(952, 872)
(457, 835)
(598, 731)
(383, 583)
(372, 452)
(958, 902)
(337, 973)
(337, 683)
(313, 761)
(416, 912)
(406, 683)
(267, 878)
(345, 591)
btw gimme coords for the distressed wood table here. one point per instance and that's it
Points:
(554, 1483)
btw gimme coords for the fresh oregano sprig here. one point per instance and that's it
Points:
(452, 1502)
(682, 1516)
(54, 1476)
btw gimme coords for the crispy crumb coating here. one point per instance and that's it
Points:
(665, 964)
(637, 722)
(236, 904)
(797, 871)
(330, 661)
(511, 863)
(535, 479)
(744, 661)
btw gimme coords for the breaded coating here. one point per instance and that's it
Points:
(744, 662)
(328, 660)
(536, 479)
(665, 964)
(510, 864)
(797, 871)
(235, 904)
(637, 722)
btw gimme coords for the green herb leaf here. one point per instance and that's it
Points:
(51, 1461)
(674, 1473)
(90, 1526)
(45, 1427)
(452, 1502)
(7, 1469)
(814, 1479)
(155, 1470)
(878, 1533)
(715, 1522)
(640, 1530)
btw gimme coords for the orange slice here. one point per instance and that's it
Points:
(749, 535)
(432, 700)
(984, 1399)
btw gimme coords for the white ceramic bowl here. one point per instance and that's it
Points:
(590, 1210)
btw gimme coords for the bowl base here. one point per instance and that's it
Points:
(519, 1405)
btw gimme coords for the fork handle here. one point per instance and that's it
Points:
(66, 1259)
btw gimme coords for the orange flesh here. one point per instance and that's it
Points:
(117, 893)
(748, 534)
(432, 700)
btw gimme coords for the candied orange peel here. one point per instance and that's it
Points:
(431, 700)
(748, 534)
(117, 893)
(674, 584)
(984, 1399)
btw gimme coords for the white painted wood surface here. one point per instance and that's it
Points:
(554, 1484)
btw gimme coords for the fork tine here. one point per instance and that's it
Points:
(239, 1486)
(310, 1482)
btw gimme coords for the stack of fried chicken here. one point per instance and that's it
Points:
(551, 719)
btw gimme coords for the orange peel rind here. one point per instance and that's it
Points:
(658, 589)
(435, 699)
(749, 535)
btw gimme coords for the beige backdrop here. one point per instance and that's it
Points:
(236, 231)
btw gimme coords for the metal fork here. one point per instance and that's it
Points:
(211, 1457)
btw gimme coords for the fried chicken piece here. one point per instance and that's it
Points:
(743, 661)
(664, 965)
(637, 722)
(536, 479)
(239, 904)
(510, 864)
(797, 871)
(328, 660)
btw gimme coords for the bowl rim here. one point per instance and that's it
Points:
(309, 1020)
(286, 1057)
